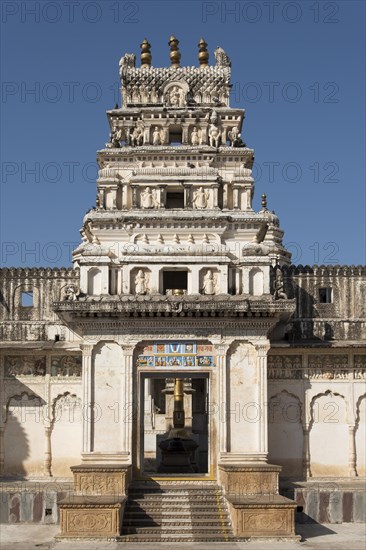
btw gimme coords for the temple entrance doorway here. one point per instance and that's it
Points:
(174, 423)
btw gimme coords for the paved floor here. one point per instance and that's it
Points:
(346, 536)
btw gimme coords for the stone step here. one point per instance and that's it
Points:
(137, 537)
(178, 530)
(189, 494)
(210, 514)
(171, 521)
(171, 514)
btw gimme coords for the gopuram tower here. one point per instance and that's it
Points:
(180, 287)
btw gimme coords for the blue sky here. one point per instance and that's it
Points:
(297, 69)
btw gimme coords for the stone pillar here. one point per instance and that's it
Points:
(2, 449)
(185, 136)
(306, 452)
(235, 197)
(225, 197)
(187, 196)
(162, 195)
(221, 366)
(47, 452)
(262, 350)
(134, 196)
(352, 451)
(127, 401)
(193, 280)
(86, 390)
(223, 281)
(215, 196)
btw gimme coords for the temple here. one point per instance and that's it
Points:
(183, 363)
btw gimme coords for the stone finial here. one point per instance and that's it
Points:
(264, 201)
(174, 52)
(203, 54)
(145, 54)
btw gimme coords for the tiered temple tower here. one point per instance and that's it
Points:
(174, 260)
(180, 278)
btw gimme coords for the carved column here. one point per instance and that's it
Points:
(127, 401)
(262, 350)
(235, 197)
(187, 196)
(352, 451)
(215, 196)
(47, 452)
(185, 136)
(306, 459)
(221, 365)
(134, 196)
(162, 195)
(2, 450)
(87, 391)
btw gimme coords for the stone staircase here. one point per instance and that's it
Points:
(196, 512)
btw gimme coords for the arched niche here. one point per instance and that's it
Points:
(285, 433)
(94, 281)
(24, 436)
(66, 426)
(328, 435)
(256, 281)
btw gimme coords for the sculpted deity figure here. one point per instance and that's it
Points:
(208, 287)
(148, 199)
(278, 285)
(200, 198)
(136, 137)
(235, 138)
(140, 283)
(196, 136)
(71, 294)
(175, 97)
(156, 136)
(214, 135)
(115, 138)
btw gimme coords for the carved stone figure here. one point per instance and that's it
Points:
(222, 59)
(148, 199)
(128, 60)
(278, 285)
(214, 135)
(71, 294)
(235, 138)
(196, 136)
(156, 136)
(175, 97)
(200, 198)
(136, 137)
(208, 287)
(140, 283)
(115, 138)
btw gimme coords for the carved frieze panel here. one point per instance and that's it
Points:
(97, 520)
(24, 365)
(285, 366)
(261, 522)
(66, 365)
(360, 367)
(320, 367)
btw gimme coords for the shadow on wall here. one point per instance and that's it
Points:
(23, 423)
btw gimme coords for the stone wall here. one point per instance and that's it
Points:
(38, 322)
(342, 319)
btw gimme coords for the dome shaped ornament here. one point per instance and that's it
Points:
(203, 54)
(175, 54)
